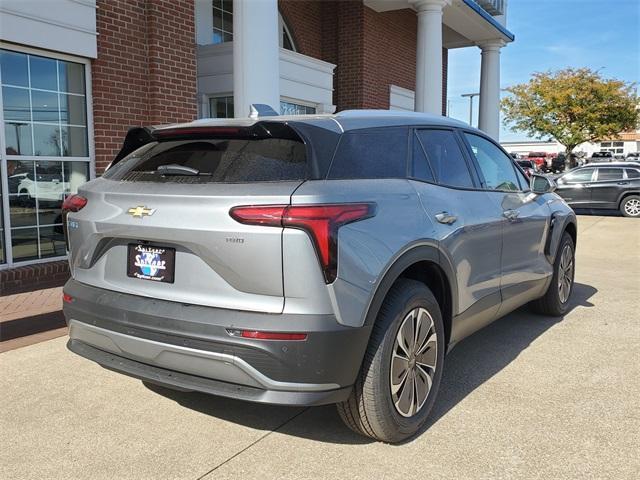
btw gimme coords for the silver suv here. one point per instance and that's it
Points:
(310, 260)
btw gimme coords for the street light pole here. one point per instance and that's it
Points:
(470, 96)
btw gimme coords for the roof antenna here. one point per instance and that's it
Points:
(261, 110)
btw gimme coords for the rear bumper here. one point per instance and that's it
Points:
(188, 347)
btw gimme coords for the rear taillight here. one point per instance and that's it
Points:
(321, 222)
(73, 203)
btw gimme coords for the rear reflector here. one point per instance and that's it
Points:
(267, 335)
(321, 222)
(66, 298)
(74, 203)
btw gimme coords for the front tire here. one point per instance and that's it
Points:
(402, 368)
(555, 301)
(630, 206)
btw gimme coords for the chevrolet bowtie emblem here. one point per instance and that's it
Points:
(141, 211)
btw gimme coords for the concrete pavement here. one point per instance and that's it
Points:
(527, 397)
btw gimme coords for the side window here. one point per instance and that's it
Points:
(525, 183)
(581, 176)
(633, 173)
(420, 168)
(497, 168)
(371, 153)
(605, 174)
(445, 158)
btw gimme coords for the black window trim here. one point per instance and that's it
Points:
(483, 182)
(472, 173)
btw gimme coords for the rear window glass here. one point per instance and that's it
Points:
(633, 173)
(214, 161)
(371, 153)
(609, 174)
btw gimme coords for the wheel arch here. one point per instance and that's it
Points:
(628, 193)
(572, 230)
(426, 264)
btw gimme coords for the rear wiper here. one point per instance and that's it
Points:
(174, 169)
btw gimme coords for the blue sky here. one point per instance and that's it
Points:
(550, 35)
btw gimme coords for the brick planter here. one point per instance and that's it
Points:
(33, 277)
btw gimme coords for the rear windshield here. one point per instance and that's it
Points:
(214, 161)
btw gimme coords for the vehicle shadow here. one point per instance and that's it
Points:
(471, 363)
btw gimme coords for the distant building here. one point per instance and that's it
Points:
(623, 144)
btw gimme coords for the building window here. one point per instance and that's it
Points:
(286, 40)
(289, 108)
(221, 107)
(222, 21)
(45, 155)
(223, 25)
(616, 148)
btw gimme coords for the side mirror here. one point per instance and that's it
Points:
(541, 184)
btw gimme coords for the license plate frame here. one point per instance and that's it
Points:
(154, 263)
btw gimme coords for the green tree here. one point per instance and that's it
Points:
(573, 105)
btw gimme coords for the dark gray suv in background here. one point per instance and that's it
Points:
(310, 260)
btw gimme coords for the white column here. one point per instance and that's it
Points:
(489, 116)
(429, 56)
(256, 55)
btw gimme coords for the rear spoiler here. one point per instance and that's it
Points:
(138, 136)
(134, 139)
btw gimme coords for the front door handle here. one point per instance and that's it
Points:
(623, 183)
(446, 218)
(511, 214)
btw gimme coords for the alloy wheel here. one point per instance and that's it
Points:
(565, 273)
(632, 207)
(413, 362)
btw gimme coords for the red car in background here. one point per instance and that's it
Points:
(540, 159)
(528, 166)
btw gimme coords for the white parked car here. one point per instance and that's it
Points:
(47, 187)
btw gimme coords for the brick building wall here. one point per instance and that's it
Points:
(145, 71)
(372, 50)
(389, 54)
(305, 19)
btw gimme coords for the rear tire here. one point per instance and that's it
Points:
(555, 301)
(630, 206)
(373, 409)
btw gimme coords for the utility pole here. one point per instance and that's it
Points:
(470, 96)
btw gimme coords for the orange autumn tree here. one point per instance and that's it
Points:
(573, 105)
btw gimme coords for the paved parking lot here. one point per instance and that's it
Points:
(528, 397)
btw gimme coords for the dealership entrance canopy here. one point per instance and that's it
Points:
(76, 77)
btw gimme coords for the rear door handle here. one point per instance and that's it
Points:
(511, 214)
(623, 183)
(446, 218)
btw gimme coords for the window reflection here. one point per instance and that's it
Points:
(46, 140)
(24, 243)
(18, 138)
(15, 104)
(55, 95)
(44, 73)
(44, 106)
(44, 114)
(14, 68)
